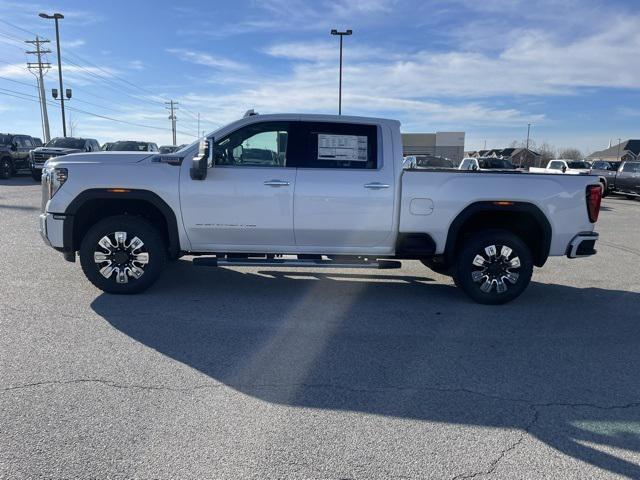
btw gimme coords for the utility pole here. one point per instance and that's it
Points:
(172, 116)
(528, 131)
(619, 142)
(340, 34)
(198, 131)
(41, 68)
(56, 17)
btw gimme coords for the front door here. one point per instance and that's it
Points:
(246, 202)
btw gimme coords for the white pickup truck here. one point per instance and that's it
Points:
(311, 191)
(560, 165)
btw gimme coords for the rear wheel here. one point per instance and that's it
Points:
(494, 267)
(123, 254)
(36, 175)
(6, 168)
(630, 197)
(605, 190)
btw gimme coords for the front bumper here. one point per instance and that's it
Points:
(52, 229)
(582, 245)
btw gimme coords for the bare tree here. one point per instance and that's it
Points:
(72, 125)
(547, 152)
(571, 154)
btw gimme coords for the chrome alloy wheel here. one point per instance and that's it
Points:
(122, 258)
(491, 269)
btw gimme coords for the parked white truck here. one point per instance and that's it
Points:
(312, 191)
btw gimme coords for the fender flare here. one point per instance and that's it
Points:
(133, 195)
(494, 206)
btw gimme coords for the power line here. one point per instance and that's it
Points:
(34, 98)
(17, 27)
(18, 81)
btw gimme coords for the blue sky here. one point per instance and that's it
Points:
(570, 68)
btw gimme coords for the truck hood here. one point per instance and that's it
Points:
(56, 150)
(100, 158)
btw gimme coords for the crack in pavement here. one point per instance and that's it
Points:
(529, 402)
(503, 453)
(493, 465)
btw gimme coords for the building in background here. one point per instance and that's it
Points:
(627, 150)
(440, 144)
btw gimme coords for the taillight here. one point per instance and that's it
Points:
(594, 197)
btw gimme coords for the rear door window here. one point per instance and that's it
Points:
(336, 145)
(631, 167)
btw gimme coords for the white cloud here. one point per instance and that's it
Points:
(73, 43)
(205, 59)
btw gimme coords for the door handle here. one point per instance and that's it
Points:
(276, 183)
(377, 185)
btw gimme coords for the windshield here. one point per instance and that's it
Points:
(66, 143)
(497, 163)
(577, 164)
(5, 139)
(168, 149)
(433, 162)
(129, 147)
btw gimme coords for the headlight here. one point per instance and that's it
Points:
(56, 178)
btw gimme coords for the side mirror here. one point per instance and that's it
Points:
(474, 167)
(14, 147)
(564, 168)
(202, 160)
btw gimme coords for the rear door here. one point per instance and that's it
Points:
(344, 197)
(246, 202)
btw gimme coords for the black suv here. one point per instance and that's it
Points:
(607, 171)
(57, 147)
(14, 153)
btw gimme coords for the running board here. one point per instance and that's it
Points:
(281, 262)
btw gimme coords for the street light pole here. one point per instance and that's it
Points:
(56, 17)
(528, 130)
(619, 142)
(340, 34)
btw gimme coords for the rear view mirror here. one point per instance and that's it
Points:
(202, 160)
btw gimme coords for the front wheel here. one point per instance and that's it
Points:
(630, 197)
(123, 254)
(36, 175)
(6, 169)
(494, 267)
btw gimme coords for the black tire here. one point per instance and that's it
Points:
(630, 197)
(36, 175)
(121, 254)
(6, 168)
(498, 270)
(437, 267)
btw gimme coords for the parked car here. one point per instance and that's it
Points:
(628, 179)
(106, 146)
(338, 190)
(427, 161)
(37, 141)
(133, 146)
(486, 163)
(57, 147)
(606, 172)
(14, 153)
(569, 167)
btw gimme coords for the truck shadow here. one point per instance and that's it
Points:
(560, 363)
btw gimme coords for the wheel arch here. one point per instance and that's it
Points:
(93, 205)
(521, 218)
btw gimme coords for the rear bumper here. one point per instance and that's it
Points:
(582, 245)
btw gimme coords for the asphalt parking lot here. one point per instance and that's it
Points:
(351, 374)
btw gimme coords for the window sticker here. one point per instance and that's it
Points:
(351, 148)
